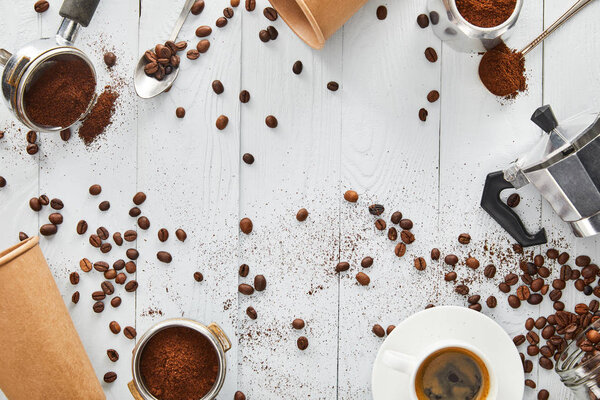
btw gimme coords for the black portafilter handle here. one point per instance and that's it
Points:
(80, 11)
(504, 215)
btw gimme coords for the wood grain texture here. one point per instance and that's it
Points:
(366, 136)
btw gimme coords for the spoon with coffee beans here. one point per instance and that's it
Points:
(158, 67)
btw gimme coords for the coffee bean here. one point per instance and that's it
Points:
(85, 265)
(131, 286)
(476, 307)
(130, 235)
(222, 122)
(451, 259)
(503, 287)
(135, 212)
(363, 278)
(302, 214)
(558, 284)
(203, 31)
(431, 55)
(41, 6)
(250, 5)
(245, 289)
(435, 254)
(491, 302)
(102, 232)
(535, 299)
(378, 330)
(543, 395)
(44, 201)
(433, 96)
(423, 114)
(113, 355)
(246, 225)
(228, 12)
(563, 258)
(390, 329)
(302, 343)
(110, 274)
(400, 249)
(197, 7)
(420, 264)
(143, 223)
(519, 340)
(74, 278)
(376, 209)
(407, 236)
(107, 287)
(98, 295)
(32, 149)
(392, 234)
(181, 235)
(114, 327)
(115, 302)
(163, 235)
(514, 301)
(582, 261)
(513, 200)
(260, 283)
(511, 279)
(55, 218)
(98, 307)
(244, 96)
(523, 293)
(2, 182)
(464, 238)
(333, 86)
(472, 263)
(251, 313)
(132, 254)
(129, 332)
(48, 229)
(34, 204)
(450, 276)
(342, 266)
(221, 22)
(462, 289)
(396, 217)
(193, 54)
(104, 206)
(218, 87)
(110, 59)
(273, 33)
(381, 13)
(180, 112)
(239, 395)
(75, 297)
(271, 121)
(198, 277)
(117, 238)
(101, 266)
(95, 190)
(380, 224)
(298, 323)
(423, 21)
(351, 196)
(546, 363)
(489, 271)
(270, 13)
(120, 278)
(110, 377)
(23, 236)
(31, 137)
(474, 299)
(105, 247)
(130, 267)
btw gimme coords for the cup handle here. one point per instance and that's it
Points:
(399, 361)
(221, 336)
(134, 392)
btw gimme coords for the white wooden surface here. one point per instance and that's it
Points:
(366, 137)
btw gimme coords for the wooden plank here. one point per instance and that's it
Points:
(389, 157)
(570, 87)
(297, 165)
(190, 172)
(67, 169)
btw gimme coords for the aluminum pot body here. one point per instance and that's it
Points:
(451, 27)
(212, 332)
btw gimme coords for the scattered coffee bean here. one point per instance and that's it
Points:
(245, 289)
(273, 33)
(363, 278)
(543, 395)
(131, 286)
(260, 283)
(48, 229)
(406, 224)
(135, 212)
(250, 5)
(110, 377)
(472, 263)
(396, 217)
(117, 238)
(55, 218)
(433, 96)
(351, 196)
(221, 22)
(198, 277)
(74, 278)
(420, 264)
(193, 54)
(407, 236)
(163, 235)
(246, 225)
(132, 254)
(563, 258)
(244, 270)
(423, 20)
(333, 86)
(2, 182)
(41, 6)
(32, 149)
(514, 301)
(115, 302)
(98, 295)
(113, 355)
(107, 287)
(489, 271)
(23, 236)
(392, 234)
(342, 266)
(390, 329)
(181, 235)
(129, 332)
(197, 7)
(244, 96)
(298, 323)
(451, 259)
(95, 190)
(366, 262)
(380, 224)
(431, 55)
(180, 112)
(240, 395)
(110, 59)
(203, 31)
(65, 134)
(143, 223)
(302, 343)
(120, 278)
(234, 3)
(423, 114)
(114, 327)
(491, 302)
(104, 206)
(378, 330)
(297, 67)
(381, 13)
(251, 313)
(101, 266)
(222, 122)
(435, 254)
(35, 204)
(98, 307)
(462, 289)
(450, 276)
(464, 238)
(302, 214)
(218, 87)
(271, 121)
(376, 209)
(31, 137)
(513, 200)
(228, 12)
(270, 13)
(75, 297)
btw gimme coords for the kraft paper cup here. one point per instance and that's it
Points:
(314, 21)
(41, 355)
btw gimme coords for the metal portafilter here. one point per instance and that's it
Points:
(24, 68)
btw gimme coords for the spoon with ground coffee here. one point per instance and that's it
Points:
(159, 67)
(502, 70)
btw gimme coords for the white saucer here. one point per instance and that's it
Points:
(424, 328)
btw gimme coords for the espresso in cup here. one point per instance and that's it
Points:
(452, 373)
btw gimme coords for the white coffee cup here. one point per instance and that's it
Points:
(409, 364)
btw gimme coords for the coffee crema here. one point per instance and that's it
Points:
(452, 373)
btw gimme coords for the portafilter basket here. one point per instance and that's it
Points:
(23, 67)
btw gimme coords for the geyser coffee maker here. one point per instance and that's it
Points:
(564, 166)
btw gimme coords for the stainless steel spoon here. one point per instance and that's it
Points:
(570, 12)
(146, 86)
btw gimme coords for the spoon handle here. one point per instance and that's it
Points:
(184, 13)
(570, 12)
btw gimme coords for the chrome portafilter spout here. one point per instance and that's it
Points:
(23, 67)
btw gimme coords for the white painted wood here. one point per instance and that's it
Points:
(366, 137)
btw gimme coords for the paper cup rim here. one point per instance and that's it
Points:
(319, 41)
(18, 249)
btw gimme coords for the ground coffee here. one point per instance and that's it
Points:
(486, 13)
(502, 71)
(179, 364)
(100, 116)
(61, 93)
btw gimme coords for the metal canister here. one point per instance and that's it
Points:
(212, 332)
(451, 27)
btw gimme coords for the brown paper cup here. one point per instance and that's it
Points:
(41, 355)
(316, 20)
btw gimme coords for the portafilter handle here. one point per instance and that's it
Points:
(504, 215)
(75, 13)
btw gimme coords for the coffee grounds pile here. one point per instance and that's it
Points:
(502, 71)
(100, 116)
(60, 94)
(179, 364)
(486, 13)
